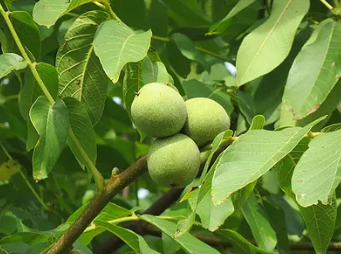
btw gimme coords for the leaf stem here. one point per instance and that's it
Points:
(26, 181)
(336, 3)
(6, 152)
(93, 226)
(11, 97)
(327, 4)
(97, 175)
(71, 14)
(159, 38)
(203, 50)
(106, 6)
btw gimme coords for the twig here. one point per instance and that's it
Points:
(115, 185)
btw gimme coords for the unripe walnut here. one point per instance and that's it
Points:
(173, 161)
(158, 110)
(205, 120)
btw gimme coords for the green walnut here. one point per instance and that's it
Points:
(205, 120)
(173, 161)
(158, 110)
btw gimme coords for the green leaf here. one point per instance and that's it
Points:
(218, 140)
(184, 225)
(144, 247)
(158, 18)
(269, 44)
(274, 82)
(17, 248)
(49, 76)
(242, 195)
(285, 167)
(31, 238)
(169, 245)
(81, 126)
(153, 70)
(222, 25)
(318, 172)
(8, 222)
(133, 240)
(326, 108)
(278, 222)
(212, 217)
(180, 64)
(332, 127)
(247, 108)
(10, 62)
(239, 243)
(111, 212)
(259, 223)
(320, 219)
(257, 122)
(47, 12)
(27, 31)
(31, 91)
(195, 88)
(320, 222)
(52, 124)
(116, 44)
(315, 71)
(9, 2)
(6, 39)
(186, 13)
(264, 149)
(81, 75)
(187, 49)
(217, 75)
(132, 17)
(187, 242)
(126, 235)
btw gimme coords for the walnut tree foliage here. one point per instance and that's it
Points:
(73, 176)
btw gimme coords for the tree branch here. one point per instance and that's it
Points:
(115, 184)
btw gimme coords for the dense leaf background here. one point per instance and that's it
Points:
(69, 72)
